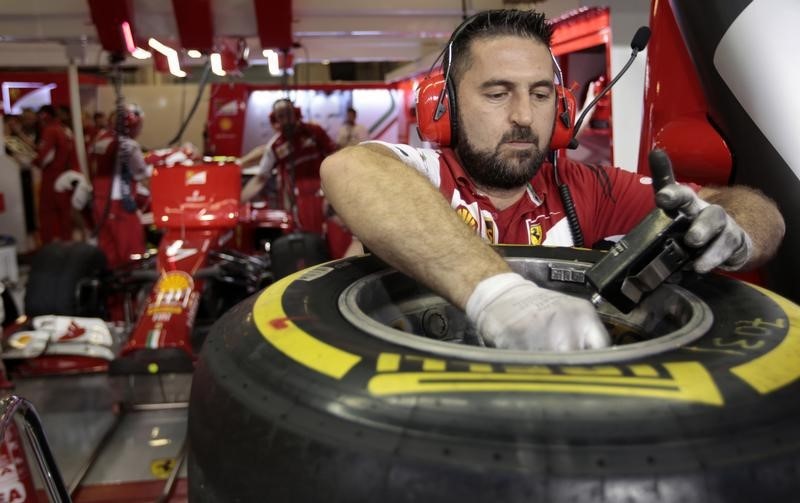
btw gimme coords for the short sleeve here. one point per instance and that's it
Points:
(424, 160)
(136, 162)
(268, 159)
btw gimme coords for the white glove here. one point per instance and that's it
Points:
(511, 312)
(729, 247)
(81, 195)
(65, 180)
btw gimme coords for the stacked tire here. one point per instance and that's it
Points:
(291, 402)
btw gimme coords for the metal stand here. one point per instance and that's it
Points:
(54, 484)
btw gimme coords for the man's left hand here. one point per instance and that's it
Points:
(726, 244)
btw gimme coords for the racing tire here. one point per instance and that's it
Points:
(296, 251)
(291, 402)
(58, 272)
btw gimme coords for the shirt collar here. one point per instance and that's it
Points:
(536, 191)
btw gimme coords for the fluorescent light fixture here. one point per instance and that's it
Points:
(127, 34)
(140, 53)
(216, 64)
(136, 52)
(171, 55)
(272, 62)
(365, 33)
(194, 53)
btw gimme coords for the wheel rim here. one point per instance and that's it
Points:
(395, 308)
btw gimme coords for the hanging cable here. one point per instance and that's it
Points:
(122, 161)
(569, 206)
(203, 81)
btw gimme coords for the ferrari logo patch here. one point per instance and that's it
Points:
(535, 232)
(467, 217)
(161, 468)
(489, 223)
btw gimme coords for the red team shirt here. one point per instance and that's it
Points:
(538, 218)
(56, 154)
(121, 233)
(310, 144)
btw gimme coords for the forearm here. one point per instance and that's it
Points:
(401, 217)
(252, 157)
(755, 213)
(252, 188)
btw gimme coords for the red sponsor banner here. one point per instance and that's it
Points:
(226, 115)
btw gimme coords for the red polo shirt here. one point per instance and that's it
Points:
(609, 201)
(302, 155)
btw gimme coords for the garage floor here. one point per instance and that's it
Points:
(115, 439)
(143, 440)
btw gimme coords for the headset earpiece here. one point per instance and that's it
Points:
(434, 110)
(565, 118)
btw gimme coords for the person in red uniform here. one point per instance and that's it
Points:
(498, 180)
(294, 155)
(55, 155)
(118, 166)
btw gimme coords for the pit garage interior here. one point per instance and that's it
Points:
(238, 356)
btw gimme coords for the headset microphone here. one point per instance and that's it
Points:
(638, 43)
(640, 39)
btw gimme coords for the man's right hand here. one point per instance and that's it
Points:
(511, 312)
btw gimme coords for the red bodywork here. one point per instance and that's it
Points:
(198, 206)
(676, 114)
(675, 108)
(15, 473)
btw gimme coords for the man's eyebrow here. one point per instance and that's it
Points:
(543, 83)
(509, 84)
(497, 83)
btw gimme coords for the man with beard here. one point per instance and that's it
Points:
(294, 155)
(499, 182)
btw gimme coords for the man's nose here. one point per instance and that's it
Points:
(521, 110)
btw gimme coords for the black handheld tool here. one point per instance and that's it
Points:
(639, 262)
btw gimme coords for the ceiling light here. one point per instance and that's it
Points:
(194, 53)
(216, 64)
(127, 34)
(171, 55)
(272, 62)
(140, 53)
(136, 52)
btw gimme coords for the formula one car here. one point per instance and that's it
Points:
(156, 310)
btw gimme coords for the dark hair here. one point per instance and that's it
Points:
(351, 109)
(493, 23)
(280, 101)
(48, 109)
